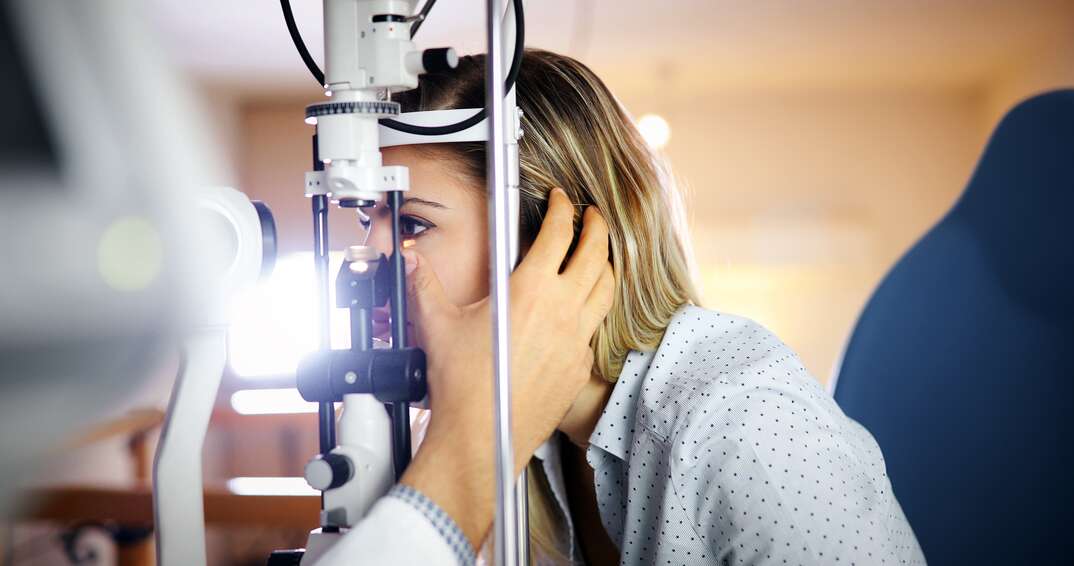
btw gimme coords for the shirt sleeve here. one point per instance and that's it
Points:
(404, 528)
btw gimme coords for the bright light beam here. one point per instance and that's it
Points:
(270, 402)
(273, 323)
(270, 486)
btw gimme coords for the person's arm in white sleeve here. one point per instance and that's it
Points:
(438, 513)
(405, 527)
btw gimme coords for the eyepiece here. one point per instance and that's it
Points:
(356, 203)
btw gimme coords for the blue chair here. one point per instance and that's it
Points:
(962, 363)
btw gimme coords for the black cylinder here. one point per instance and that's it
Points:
(391, 375)
(439, 59)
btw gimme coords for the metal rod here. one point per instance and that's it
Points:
(523, 522)
(395, 201)
(326, 414)
(325, 411)
(361, 329)
(510, 37)
(506, 535)
(400, 412)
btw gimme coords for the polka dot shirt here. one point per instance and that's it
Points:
(719, 448)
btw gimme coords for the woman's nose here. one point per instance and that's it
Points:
(380, 232)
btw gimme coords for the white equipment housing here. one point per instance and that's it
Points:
(98, 239)
(236, 235)
(364, 58)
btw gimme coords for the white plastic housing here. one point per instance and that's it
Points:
(227, 219)
(363, 58)
(361, 53)
(364, 435)
(349, 145)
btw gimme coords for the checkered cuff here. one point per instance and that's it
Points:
(443, 523)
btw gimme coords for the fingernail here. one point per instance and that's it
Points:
(410, 261)
(560, 191)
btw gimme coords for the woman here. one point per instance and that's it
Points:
(697, 437)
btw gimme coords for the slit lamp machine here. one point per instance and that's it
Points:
(369, 55)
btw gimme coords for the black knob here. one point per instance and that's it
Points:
(439, 59)
(329, 471)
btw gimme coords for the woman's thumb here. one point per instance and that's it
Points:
(425, 294)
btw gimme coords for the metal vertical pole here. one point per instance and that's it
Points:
(522, 506)
(506, 535)
(400, 412)
(511, 133)
(325, 411)
(326, 414)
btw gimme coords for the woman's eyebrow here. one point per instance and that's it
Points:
(431, 203)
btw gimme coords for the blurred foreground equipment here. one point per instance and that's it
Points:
(99, 153)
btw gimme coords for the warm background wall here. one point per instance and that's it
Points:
(815, 143)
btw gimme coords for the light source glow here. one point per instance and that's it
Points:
(270, 486)
(273, 324)
(270, 402)
(655, 130)
(130, 254)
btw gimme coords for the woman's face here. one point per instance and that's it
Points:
(444, 217)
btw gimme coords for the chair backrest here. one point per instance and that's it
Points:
(962, 363)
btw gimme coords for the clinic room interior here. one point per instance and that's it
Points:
(815, 144)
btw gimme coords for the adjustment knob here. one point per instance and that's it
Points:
(329, 471)
(439, 59)
(430, 61)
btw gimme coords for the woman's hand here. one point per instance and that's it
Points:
(553, 318)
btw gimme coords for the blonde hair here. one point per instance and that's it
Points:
(577, 136)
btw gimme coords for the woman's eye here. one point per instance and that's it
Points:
(411, 226)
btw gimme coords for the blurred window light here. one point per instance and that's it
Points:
(655, 130)
(270, 486)
(270, 402)
(273, 324)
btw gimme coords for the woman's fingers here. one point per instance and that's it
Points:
(554, 239)
(591, 254)
(425, 294)
(599, 301)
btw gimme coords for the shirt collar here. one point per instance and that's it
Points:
(612, 436)
(614, 433)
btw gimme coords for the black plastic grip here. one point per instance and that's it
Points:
(390, 375)
(439, 59)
